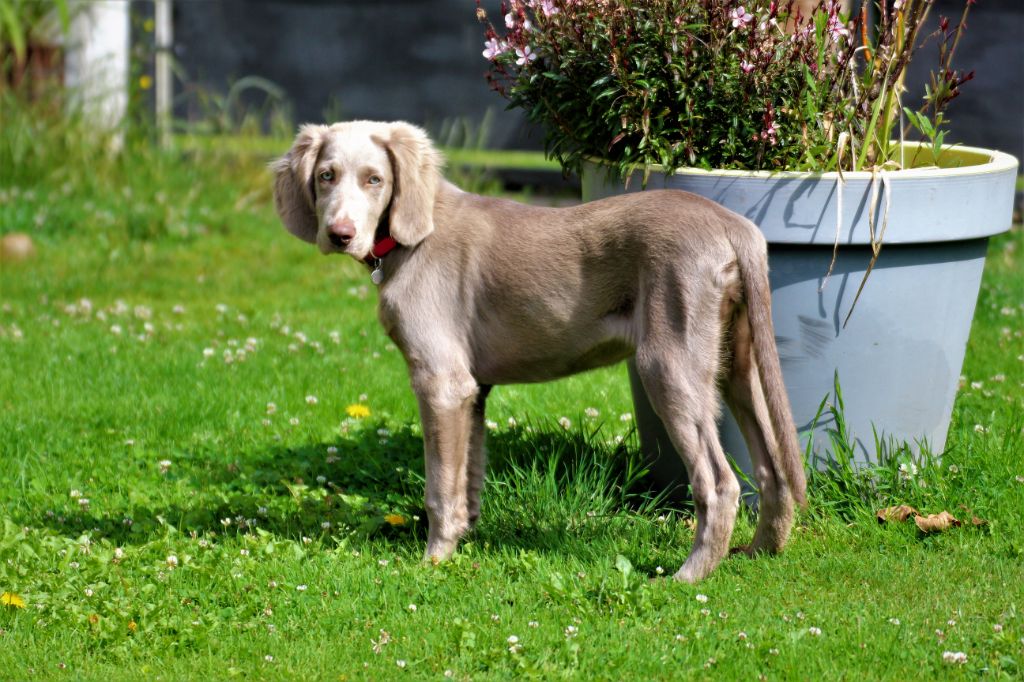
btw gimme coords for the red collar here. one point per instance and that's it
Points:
(381, 248)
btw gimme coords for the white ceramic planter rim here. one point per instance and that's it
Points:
(925, 205)
(999, 162)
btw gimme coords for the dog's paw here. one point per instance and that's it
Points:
(439, 550)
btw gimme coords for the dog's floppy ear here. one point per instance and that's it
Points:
(293, 188)
(416, 167)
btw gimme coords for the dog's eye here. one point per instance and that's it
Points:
(326, 175)
(374, 180)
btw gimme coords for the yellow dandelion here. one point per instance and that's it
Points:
(148, 25)
(133, 626)
(12, 600)
(145, 82)
(357, 411)
(395, 519)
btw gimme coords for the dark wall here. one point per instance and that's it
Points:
(420, 60)
(990, 110)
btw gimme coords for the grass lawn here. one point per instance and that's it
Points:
(212, 468)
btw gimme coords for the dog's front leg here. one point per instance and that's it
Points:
(446, 401)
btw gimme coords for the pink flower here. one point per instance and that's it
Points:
(492, 49)
(548, 7)
(510, 20)
(836, 29)
(770, 134)
(525, 55)
(746, 67)
(740, 17)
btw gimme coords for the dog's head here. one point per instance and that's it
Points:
(338, 183)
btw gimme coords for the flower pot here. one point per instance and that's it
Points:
(899, 356)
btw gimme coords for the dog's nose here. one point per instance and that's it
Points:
(341, 232)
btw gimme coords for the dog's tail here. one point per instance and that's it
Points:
(753, 261)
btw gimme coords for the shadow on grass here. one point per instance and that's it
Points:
(546, 489)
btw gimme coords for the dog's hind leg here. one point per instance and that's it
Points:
(746, 400)
(678, 362)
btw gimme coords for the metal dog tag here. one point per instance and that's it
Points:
(377, 276)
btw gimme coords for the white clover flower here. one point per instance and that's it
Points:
(625, 417)
(564, 423)
(208, 352)
(814, 632)
(301, 588)
(702, 598)
(311, 400)
(954, 657)
(172, 561)
(591, 413)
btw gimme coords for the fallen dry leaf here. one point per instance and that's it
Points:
(936, 523)
(900, 513)
(975, 521)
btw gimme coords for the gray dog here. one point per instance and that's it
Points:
(478, 291)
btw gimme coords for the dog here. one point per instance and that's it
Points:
(477, 291)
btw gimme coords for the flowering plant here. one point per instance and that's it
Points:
(743, 84)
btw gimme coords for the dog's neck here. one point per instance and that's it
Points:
(383, 242)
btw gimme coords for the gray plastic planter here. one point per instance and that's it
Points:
(900, 355)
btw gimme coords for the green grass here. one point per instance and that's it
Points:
(108, 394)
